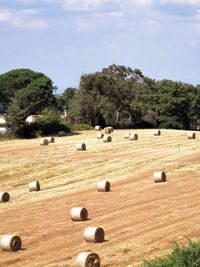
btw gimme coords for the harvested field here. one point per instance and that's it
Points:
(140, 218)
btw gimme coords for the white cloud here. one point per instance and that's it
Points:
(186, 2)
(153, 26)
(85, 25)
(141, 3)
(5, 15)
(18, 20)
(78, 5)
(81, 5)
(29, 11)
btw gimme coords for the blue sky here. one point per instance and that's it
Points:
(67, 38)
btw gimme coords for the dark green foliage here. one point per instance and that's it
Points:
(49, 123)
(15, 80)
(27, 92)
(117, 96)
(181, 256)
(65, 99)
(109, 95)
(81, 127)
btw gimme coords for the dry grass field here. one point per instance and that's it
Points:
(141, 218)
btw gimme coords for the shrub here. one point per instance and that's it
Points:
(50, 123)
(181, 256)
(81, 127)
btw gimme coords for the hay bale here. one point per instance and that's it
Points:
(50, 139)
(94, 234)
(34, 186)
(103, 186)
(10, 242)
(62, 133)
(97, 128)
(88, 259)
(127, 135)
(4, 197)
(157, 133)
(107, 138)
(191, 135)
(100, 135)
(79, 214)
(159, 177)
(107, 130)
(81, 147)
(44, 142)
(133, 137)
(110, 128)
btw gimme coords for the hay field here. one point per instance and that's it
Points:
(140, 218)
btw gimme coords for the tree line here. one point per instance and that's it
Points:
(116, 95)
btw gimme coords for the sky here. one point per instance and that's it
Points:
(65, 39)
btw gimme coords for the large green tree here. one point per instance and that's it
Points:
(108, 96)
(27, 92)
(65, 98)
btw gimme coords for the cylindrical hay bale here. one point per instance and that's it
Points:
(81, 147)
(107, 130)
(88, 259)
(34, 186)
(100, 135)
(10, 242)
(133, 137)
(127, 135)
(111, 128)
(159, 177)
(103, 186)
(50, 139)
(157, 133)
(97, 128)
(107, 138)
(4, 197)
(94, 234)
(191, 135)
(79, 214)
(44, 142)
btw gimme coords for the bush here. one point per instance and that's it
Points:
(184, 256)
(81, 127)
(50, 123)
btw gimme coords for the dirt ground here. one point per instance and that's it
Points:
(141, 219)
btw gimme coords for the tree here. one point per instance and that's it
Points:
(108, 95)
(35, 93)
(65, 99)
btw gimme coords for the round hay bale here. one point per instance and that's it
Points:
(107, 138)
(133, 137)
(107, 130)
(88, 259)
(34, 186)
(94, 234)
(62, 133)
(191, 135)
(159, 177)
(103, 186)
(97, 128)
(157, 133)
(127, 135)
(79, 214)
(10, 242)
(100, 135)
(81, 147)
(44, 142)
(110, 128)
(4, 197)
(50, 139)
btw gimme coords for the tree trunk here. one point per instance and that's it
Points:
(117, 117)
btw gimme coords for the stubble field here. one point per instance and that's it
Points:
(141, 218)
